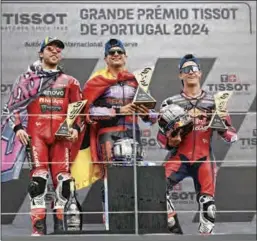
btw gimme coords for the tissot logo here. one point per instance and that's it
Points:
(40, 22)
(33, 18)
(230, 82)
(249, 142)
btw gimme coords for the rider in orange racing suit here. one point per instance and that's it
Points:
(191, 154)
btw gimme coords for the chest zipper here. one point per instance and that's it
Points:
(51, 118)
(194, 132)
(194, 137)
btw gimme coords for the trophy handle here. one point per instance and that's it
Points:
(216, 122)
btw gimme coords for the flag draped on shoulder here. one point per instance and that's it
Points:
(26, 88)
(86, 167)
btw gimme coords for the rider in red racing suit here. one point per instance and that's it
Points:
(192, 155)
(46, 110)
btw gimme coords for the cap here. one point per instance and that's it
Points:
(186, 58)
(113, 43)
(49, 40)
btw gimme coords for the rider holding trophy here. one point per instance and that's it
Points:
(44, 92)
(110, 95)
(187, 122)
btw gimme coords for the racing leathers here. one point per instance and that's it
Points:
(104, 110)
(45, 114)
(193, 157)
(106, 95)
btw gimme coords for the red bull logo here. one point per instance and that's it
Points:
(197, 113)
(200, 116)
(178, 124)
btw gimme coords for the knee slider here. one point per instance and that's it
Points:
(207, 214)
(37, 189)
(38, 184)
(63, 191)
(207, 207)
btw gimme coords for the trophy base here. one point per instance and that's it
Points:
(143, 98)
(149, 105)
(217, 123)
(62, 136)
(63, 130)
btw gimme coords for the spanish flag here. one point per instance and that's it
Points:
(84, 171)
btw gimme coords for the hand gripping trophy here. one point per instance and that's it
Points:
(221, 100)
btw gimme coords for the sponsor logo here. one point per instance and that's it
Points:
(46, 108)
(195, 112)
(45, 100)
(181, 196)
(34, 21)
(249, 142)
(67, 158)
(149, 142)
(200, 119)
(146, 133)
(117, 102)
(58, 93)
(230, 82)
(70, 44)
(148, 139)
(36, 160)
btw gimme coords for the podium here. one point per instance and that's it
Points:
(150, 192)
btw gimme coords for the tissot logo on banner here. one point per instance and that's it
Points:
(230, 82)
(180, 195)
(249, 142)
(148, 139)
(34, 21)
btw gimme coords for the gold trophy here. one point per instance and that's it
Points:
(73, 111)
(142, 96)
(221, 100)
